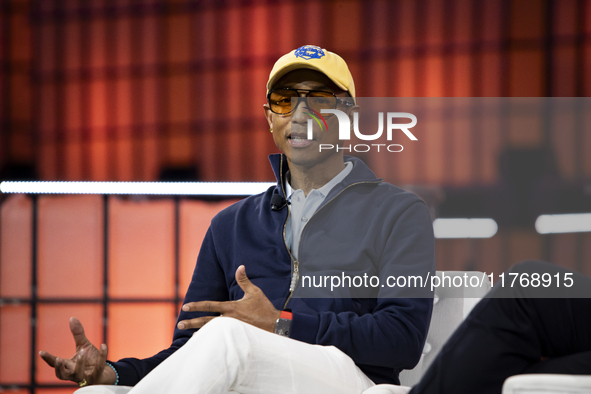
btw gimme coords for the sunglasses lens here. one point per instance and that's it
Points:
(321, 100)
(280, 100)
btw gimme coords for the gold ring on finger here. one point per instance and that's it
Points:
(82, 383)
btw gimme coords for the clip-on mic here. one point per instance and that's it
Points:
(277, 202)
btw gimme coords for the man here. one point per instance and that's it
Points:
(327, 211)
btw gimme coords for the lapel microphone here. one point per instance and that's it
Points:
(278, 202)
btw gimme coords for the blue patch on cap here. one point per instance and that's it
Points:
(309, 52)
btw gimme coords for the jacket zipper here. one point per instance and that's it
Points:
(296, 264)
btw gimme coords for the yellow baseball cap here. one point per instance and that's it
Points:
(315, 58)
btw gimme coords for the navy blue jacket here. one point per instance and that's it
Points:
(364, 225)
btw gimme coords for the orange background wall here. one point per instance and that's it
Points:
(117, 90)
(143, 297)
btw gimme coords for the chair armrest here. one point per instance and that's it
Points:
(103, 389)
(547, 383)
(387, 389)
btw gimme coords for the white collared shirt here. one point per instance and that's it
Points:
(302, 208)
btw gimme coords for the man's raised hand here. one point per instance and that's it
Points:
(88, 363)
(254, 308)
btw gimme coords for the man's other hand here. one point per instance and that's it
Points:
(88, 363)
(254, 308)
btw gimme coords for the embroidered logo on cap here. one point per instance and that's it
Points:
(309, 52)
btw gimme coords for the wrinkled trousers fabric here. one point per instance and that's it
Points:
(227, 355)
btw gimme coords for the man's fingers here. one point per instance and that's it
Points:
(77, 332)
(79, 374)
(243, 281)
(61, 370)
(63, 367)
(69, 365)
(48, 358)
(195, 323)
(208, 306)
(100, 365)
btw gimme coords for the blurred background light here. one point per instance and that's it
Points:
(143, 188)
(464, 228)
(566, 223)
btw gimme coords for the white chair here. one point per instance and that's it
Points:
(547, 384)
(99, 389)
(450, 308)
(447, 315)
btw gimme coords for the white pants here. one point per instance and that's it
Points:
(227, 355)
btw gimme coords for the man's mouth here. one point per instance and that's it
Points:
(298, 140)
(298, 136)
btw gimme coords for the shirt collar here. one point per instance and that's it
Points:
(324, 190)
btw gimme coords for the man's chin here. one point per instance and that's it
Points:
(308, 157)
(300, 143)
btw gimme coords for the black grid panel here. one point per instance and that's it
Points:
(111, 302)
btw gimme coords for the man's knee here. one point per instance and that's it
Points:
(221, 324)
(223, 327)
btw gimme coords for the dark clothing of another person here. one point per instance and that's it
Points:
(511, 335)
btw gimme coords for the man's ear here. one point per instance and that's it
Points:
(268, 115)
(350, 111)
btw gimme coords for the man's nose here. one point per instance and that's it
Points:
(298, 114)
